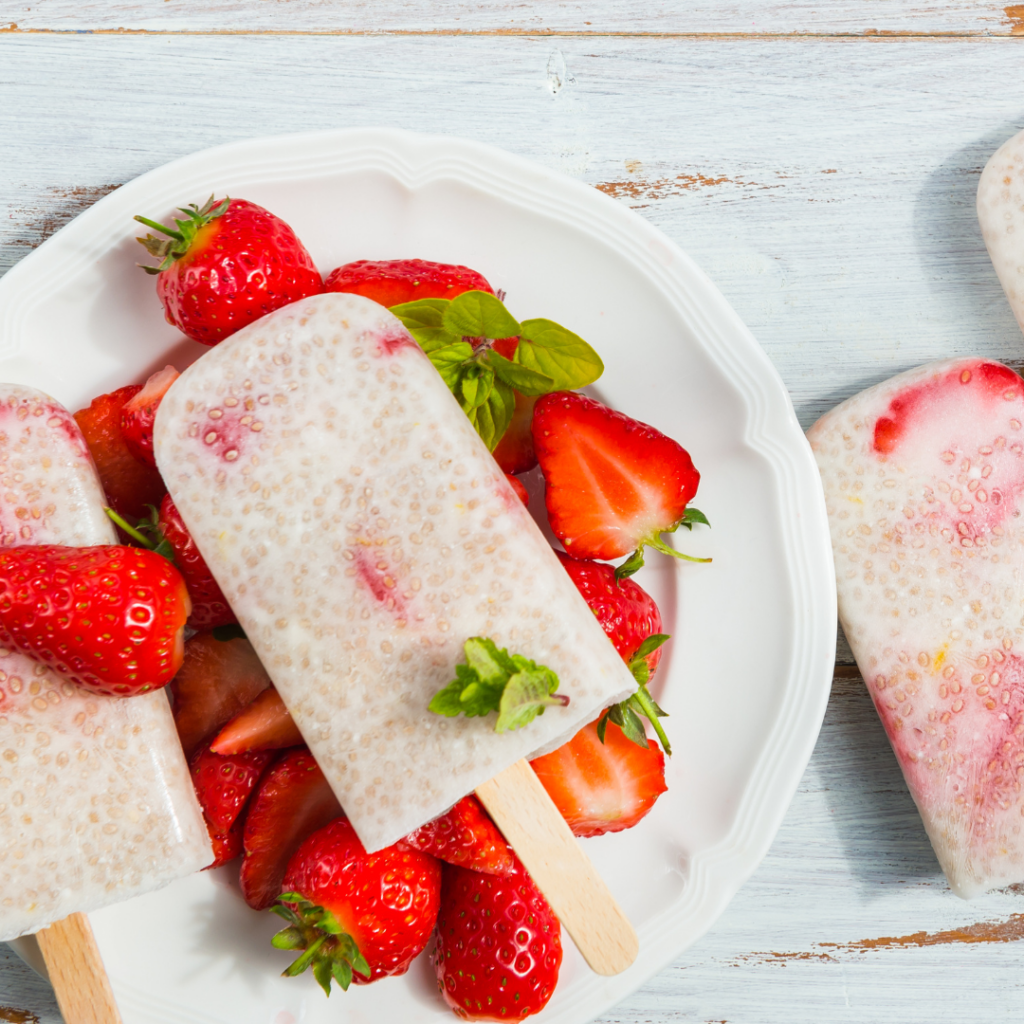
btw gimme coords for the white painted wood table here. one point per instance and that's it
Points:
(819, 160)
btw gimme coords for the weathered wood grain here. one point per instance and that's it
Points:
(738, 17)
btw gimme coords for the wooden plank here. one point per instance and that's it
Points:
(738, 17)
(844, 234)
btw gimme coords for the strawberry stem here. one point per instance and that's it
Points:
(130, 530)
(651, 713)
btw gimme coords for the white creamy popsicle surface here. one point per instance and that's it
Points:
(362, 532)
(1001, 217)
(924, 484)
(96, 803)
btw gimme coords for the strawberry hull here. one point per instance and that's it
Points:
(96, 804)
(362, 532)
(924, 483)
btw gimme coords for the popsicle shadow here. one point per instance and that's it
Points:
(873, 814)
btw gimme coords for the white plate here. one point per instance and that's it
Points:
(747, 676)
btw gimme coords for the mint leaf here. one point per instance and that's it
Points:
(479, 315)
(493, 680)
(424, 319)
(476, 385)
(492, 417)
(565, 357)
(522, 378)
(525, 697)
(449, 361)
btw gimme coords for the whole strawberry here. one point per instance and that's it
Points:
(109, 618)
(499, 946)
(226, 265)
(393, 282)
(614, 484)
(371, 913)
(209, 606)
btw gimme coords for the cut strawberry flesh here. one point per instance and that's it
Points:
(139, 412)
(223, 785)
(226, 845)
(265, 724)
(602, 787)
(515, 452)
(217, 679)
(466, 836)
(292, 802)
(613, 483)
(393, 282)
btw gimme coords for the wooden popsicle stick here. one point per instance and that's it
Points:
(530, 821)
(77, 973)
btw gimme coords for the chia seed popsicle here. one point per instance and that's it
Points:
(924, 484)
(362, 532)
(96, 803)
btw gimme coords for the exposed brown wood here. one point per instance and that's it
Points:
(77, 973)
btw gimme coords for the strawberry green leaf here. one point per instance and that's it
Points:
(493, 680)
(565, 357)
(650, 645)
(522, 378)
(693, 515)
(176, 243)
(633, 564)
(479, 314)
(146, 532)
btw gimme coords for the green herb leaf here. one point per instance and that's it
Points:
(424, 320)
(479, 315)
(494, 680)
(492, 418)
(449, 361)
(522, 378)
(556, 352)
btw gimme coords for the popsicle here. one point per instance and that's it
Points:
(96, 804)
(924, 484)
(361, 532)
(1001, 216)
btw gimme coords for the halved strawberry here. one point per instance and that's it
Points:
(216, 680)
(223, 785)
(466, 836)
(602, 787)
(521, 493)
(515, 452)
(130, 485)
(264, 725)
(614, 484)
(393, 282)
(139, 412)
(209, 606)
(226, 845)
(292, 802)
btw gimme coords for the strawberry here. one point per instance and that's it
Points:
(380, 907)
(139, 412)
(515, 452)
(602, 786)
(264, 725)
(626, 611)
(218, 678)
(291, 803)
(223, 785)
(109, 618)
(499, 945)
(227, 265)
(209, 606)
(130, 485)
(393, 282)
(521, 492)
(226, 845)
(614, 484)
(466, 836)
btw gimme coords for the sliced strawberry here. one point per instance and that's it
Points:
(216, 680)
(515, 452)
(226, 845)
(130, 485)
(223, 785)
(627, 613)
(521, 493)
(209, 606)
(613, 484)
(139, 412)
(602, 787)
(466, 836)
(393, 282)
(292, 802)
(264, 725)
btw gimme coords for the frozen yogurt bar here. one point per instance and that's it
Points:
(362, 532)
(96, 803)
(924, 484)
(1001, 216)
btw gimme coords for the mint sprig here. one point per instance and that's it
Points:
(494, 680)
(627, 714)
(635, 561)
(458, 335)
